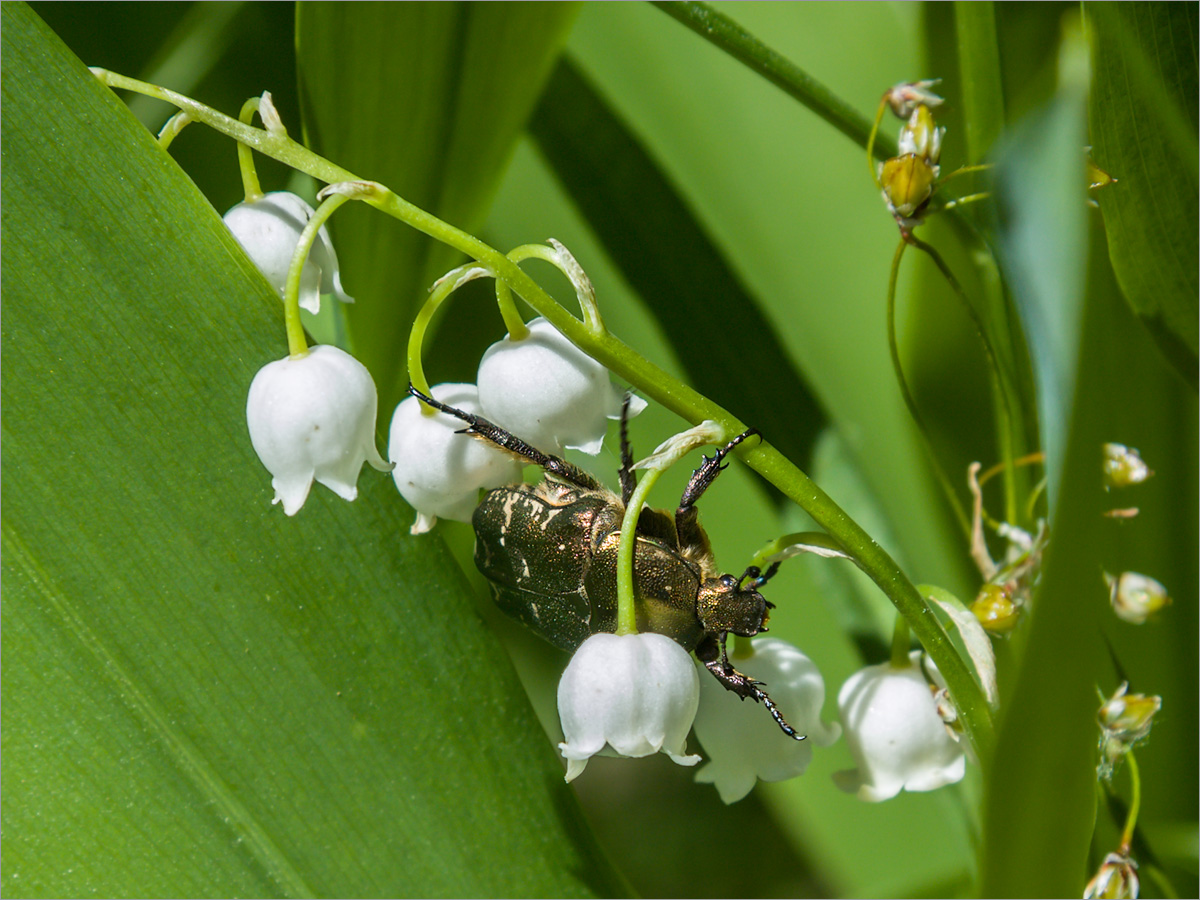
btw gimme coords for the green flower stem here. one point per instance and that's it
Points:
(1135, 803)
(910, 401)
(656, 384)
(297, 343)
(513, 323)
(171, 130)
(626, 606)
(569, 267)
(871, 144)
(445, 286)
(996, 376)
(901, 639)
(250, 185)
(723, 32)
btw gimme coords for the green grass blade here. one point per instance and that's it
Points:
(1143, 120)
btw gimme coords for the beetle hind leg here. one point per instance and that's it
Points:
(481, 428)
(625, 473)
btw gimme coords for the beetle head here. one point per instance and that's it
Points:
(725, 604)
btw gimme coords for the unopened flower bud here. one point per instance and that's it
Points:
(1136, 597)
(904, 98)
(1125, 721)
(1117, 879)
(1124, 466)
(907, 184)
(921, 137)
(995, 610)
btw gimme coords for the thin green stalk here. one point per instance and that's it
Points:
(893, 346)
(250, 186)
(656, 384)
(996, 376)
(1135, 804)
(626, 597)
(297, 343)
(725, 33)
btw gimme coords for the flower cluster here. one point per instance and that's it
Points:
(908, 179)
(1125, 721)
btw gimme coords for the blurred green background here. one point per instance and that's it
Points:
(736, 240)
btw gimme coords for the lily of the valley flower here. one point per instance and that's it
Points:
(312, 417)
(637, 693)
(1116, 880)
(269, 230)
(895, 733)
(438, 471)
(545, 389)
(743, 745)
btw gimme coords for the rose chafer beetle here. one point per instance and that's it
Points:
(550, 553)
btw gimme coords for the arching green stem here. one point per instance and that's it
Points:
(653, 383)
(909, 401)
(1135, 804)
(901, 639)
(171, 129)
(297, 344)
(995, 376)
(871, 143)
(250, 185)
(445, 286)
(626, 598)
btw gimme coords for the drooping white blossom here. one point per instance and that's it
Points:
(895, 733)
(636, 693)
(548, 392)
(312, 418)
(743, 744)
(269, 230)
(438, 471)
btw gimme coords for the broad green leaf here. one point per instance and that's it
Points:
(429, 99)
(1040, 793)
(202, 696)
(647, 228)
(1142, 113)
(979, 71)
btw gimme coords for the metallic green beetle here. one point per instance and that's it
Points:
(550, 553)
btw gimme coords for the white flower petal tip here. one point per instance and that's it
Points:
(548, 391)
(269, 230)
(895, 734)
(312, 418)
(636, 693)
(440, 472)
(742, 742)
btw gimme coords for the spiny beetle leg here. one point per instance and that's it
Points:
(757, 577)
(708, 471)
(481, 428)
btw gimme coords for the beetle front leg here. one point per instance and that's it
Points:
(686, 516)
(711, 652)
(625, 473)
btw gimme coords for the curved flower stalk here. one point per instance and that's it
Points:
(269, 230)
(550, 392)
(743, 745)
(637, 693)
(895, 733)
(436, 471)
(312, 418)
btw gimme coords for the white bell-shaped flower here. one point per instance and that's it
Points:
(637, 693)
(895, 733)
(313, 418)
(742, 742)
(269, 230)
(548, 392)
(438, 471)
